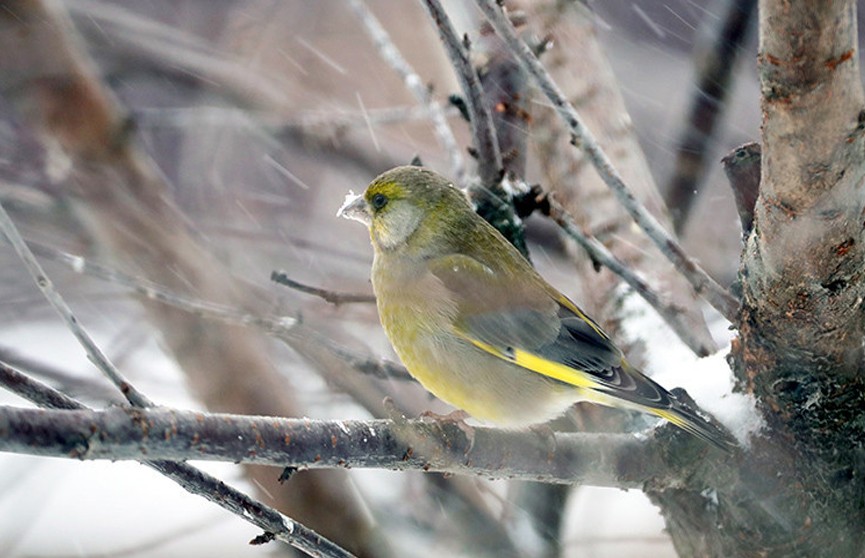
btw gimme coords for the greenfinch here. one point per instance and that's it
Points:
(478, 327)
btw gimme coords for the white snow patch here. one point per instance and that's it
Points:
(709, 380)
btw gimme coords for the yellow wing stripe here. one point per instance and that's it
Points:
(540, 365)
(670, 416)
(688, 426)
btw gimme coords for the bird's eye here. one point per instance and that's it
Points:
(378, 201)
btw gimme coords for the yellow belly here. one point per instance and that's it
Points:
(416, 315)
(486, 387)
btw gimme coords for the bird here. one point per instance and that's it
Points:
(478, 327)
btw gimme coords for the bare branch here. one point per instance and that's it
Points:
(330, 296)
(618, 460)
(742, 167)
(191, 479)
(803, 287)
(412, 80)
(281, 327)
(195, 481)
(93, 388)
(94, 353)
(486, 144)
(601, 255)
(125, 204)
(153, 291)
(702, 283)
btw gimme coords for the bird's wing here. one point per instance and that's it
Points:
(529, 323)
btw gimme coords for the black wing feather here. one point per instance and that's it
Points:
(581, 345)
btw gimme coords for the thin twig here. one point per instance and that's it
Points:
(191, 479)
(391, 54)
(483, 131)
(94, 353)
(95, 388)
(702, 283)
(492, 199)
(153, 291)
(601, 255)
(280, 327)
(329, 296)
(35, 391)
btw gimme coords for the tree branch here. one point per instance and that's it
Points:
(742, 167)
(702, 283)
(332, 297)
(493, 201)
(279, 327)
(483, 131)
(94, 353)
(599, 253)
(124, 201)
(811, 200)
(191, 479)
(391, 54)
(120, 433)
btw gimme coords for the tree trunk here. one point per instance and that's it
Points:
(799, 490)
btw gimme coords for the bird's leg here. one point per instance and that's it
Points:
(457, 418)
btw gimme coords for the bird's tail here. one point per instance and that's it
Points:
(634, 389)
(689, 421)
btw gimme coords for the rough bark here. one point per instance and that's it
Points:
(799, 490)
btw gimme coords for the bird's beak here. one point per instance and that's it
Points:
(355, 208)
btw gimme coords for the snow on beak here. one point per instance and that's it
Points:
(355, 208)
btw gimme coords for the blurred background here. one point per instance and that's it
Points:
(254, 118)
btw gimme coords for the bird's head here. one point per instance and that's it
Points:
(403, 201)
